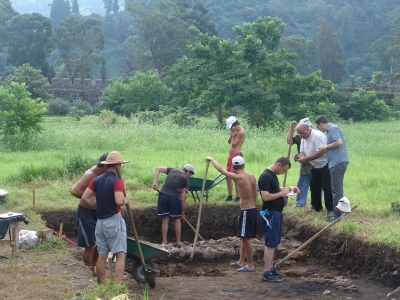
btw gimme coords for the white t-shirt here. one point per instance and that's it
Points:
(310, 145)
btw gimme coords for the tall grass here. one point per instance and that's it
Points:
(59, 155)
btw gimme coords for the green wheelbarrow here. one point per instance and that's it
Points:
(150, 251)
(196, 184)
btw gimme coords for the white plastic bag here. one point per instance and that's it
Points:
(27, 238)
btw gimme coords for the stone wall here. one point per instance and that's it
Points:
(87, 90)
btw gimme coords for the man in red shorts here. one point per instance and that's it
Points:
(236, 139)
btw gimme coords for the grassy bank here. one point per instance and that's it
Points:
(57, 157)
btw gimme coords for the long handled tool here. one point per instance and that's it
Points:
(392, 294)
(194, 230)
(306, 243)
(199, 217)
(148, 275)
(288, 156)
(190, 225)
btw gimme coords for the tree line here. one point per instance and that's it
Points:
(175, 61)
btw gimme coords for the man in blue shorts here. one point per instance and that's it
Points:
(272, 196)
(110, 227)
(86, 216)
(172, 198)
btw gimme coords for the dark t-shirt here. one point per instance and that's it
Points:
(269, 182)
(175, 181)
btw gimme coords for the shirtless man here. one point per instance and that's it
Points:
(236, 139)
(86, 216)
(247, 227)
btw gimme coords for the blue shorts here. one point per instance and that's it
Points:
(272, 229)
(111, 235)
(169, 206)
(86, 222)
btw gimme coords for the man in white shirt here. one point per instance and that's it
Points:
(320, 175)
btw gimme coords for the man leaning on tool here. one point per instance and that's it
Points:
(110, 227)
(86, 216)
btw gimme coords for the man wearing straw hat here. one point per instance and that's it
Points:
(110, 226)
(172, 198)
(86, 216)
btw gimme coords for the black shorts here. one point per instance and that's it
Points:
(247, 226)
(169, 206)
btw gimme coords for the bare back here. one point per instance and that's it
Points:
(79, 188)
(246, 183)
(236, 139)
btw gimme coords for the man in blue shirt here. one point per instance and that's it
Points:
(338, 159)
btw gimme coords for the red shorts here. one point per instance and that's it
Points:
(229, 166)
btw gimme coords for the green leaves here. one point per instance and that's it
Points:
(20, 113)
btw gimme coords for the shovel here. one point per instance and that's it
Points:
(196, 236)
(148, 275)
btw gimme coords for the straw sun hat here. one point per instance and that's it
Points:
(114, 158)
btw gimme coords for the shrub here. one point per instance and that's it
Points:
(19, 112)
(85, 106)
(76, 113)
(58, 107)
(108, 117)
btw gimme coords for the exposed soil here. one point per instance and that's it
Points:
(334, 266)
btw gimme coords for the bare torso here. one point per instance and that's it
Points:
(236, 139)
(246, 183)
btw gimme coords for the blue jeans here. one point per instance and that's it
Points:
(303, 184)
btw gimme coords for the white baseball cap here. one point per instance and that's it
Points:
(190, 168)
(230, 121)
(344, 205)
(238, 161)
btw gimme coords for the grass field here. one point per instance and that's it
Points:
(57, 157)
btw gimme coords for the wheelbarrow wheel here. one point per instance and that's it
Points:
(137, 270)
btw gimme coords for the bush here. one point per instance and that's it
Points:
(19, 113)
(85, 106)
(76, 113)
(58, 107)
(365, 106)
(108, 117)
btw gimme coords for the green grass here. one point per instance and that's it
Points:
(58, 156)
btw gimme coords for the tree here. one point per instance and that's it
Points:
(36, 84)
(330, 52)
(75, 7)
(141, 92)
(30, 42)
(60, 9)
(306, 50)
(108, 5)
(79, 44)
(115, 7)
(164, 28)
(20, 113)
(250, 73)
(387, 49)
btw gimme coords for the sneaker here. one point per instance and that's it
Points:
(237, 199)
(329, 214)
(331, 219)
(277, 274)
(271, 278)
(311, 209)
(229, 198)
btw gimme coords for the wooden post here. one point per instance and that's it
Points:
(61, 229)
(33, 196)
